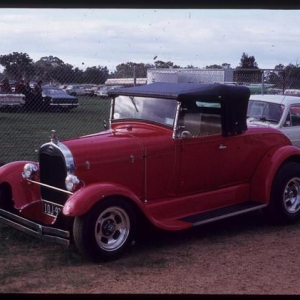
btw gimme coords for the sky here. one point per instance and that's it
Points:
(109, 37)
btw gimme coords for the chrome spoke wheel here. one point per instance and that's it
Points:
(292, 196)
(112, 228)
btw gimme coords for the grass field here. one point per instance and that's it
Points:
(22, 133)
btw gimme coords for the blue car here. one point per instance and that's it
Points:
(52, 99)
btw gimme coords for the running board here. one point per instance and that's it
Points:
(224, 212)
(35, 229)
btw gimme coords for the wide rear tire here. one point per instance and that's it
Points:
(284, 207)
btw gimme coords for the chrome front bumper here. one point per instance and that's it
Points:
(35, 229)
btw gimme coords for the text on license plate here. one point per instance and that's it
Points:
(51, 209)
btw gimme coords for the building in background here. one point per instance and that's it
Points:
(126, 81)
(224, 75)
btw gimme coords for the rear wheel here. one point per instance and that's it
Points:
(106, 231)
(284, 204)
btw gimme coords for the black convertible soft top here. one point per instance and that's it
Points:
(233, 99)
(185, 91)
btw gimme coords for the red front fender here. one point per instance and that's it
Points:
(82, 200)
(23, 193)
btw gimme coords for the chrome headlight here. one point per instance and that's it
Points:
(29, 171)
(71, 182)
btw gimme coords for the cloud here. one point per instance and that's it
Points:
(108, 37)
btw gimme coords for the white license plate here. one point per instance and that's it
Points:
(51, 209)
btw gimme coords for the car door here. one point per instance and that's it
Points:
(214, 162)
(208, 160)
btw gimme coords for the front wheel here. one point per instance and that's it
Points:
(106, 231)
(284, 207)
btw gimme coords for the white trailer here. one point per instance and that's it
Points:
(190, 75)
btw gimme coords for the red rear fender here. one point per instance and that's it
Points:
(262, 179)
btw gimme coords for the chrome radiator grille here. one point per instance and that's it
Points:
(53, 172)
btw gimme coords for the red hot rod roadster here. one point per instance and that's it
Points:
(178, 154)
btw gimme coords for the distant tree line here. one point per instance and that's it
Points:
(51, 69)
(19, 66)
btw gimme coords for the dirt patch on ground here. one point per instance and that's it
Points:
(241, 255)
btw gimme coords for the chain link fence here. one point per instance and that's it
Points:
(259, 81)
(23, 130)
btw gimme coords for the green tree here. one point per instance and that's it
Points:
(62, 74)
(163, 64)
(96, 75)
(131, 69)
(286, 77)
(17, 65)
(247, 62)
(43, 68)
(292, 76)
(190, 67)
(248, 71)
(51, 69)
(213, 67)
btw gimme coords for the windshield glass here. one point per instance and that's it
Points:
(264, 111)
(140, 108)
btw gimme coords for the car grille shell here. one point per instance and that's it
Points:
(54, 166)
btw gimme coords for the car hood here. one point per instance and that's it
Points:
(55, 93)
(257, 123)
(60, 96)
(121, 144)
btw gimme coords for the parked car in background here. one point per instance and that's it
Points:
(11, 101)
(8, 98)
(276, 111)
(177, 154)
(90, 90)
(102, 92)
(75, 90)
(292, 92)
(53, 98)
(63, 86)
